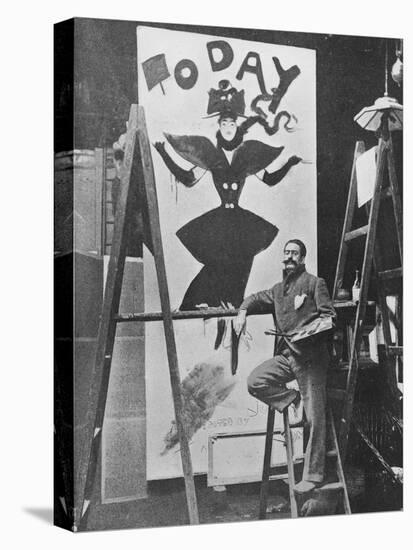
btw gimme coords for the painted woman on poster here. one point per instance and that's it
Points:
(225, 240)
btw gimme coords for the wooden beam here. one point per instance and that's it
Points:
(152, 202)
(208, 313)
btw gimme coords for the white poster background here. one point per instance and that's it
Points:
(290, 205)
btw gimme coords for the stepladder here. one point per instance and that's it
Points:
(137, 163)
(373, 267)
(329, 498)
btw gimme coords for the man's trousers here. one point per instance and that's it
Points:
(267, 382)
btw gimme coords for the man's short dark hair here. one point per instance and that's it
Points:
(303, 250)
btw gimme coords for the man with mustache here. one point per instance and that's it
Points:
(295, 302)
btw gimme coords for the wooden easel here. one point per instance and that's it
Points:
(137, 150)
(373, 256)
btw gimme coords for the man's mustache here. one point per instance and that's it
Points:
(293, 262)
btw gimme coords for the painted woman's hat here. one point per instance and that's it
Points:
(226, 101)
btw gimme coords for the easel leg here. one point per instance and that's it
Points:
(106, 338)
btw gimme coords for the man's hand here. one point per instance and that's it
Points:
(239, 321)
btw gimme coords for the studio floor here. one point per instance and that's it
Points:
(166, 506)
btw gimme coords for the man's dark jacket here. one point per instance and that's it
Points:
(295, 302)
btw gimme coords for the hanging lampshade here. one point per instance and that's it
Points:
(370, 118)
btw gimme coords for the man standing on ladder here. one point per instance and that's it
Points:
(298, 300)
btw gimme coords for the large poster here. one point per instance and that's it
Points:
(233, 128)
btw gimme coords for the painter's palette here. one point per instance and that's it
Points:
(322, 324)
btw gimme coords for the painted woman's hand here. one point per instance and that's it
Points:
(294, 160)
(159, 146)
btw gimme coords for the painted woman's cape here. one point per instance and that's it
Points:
(249, 158)
(226, 239)
(197, 150)
(252, 156)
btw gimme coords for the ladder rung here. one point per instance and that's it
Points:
(296, 461)
(391, 273)
(273, 477)
(396, 350)
(360, 232)
(364, 363)
(335, 486)
(336, 393)
(331, 486)
(276, 477)
(349, 304)
(299, 424)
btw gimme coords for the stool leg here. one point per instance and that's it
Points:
(267, 463)
(290, 463)
(306, 430)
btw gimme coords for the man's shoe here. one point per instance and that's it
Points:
(289, 397)
(297, 400)
(306, 487)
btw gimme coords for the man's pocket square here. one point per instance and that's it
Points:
(299, 300)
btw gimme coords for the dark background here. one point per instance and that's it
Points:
(350, 76)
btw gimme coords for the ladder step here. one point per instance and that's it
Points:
(283, 475)
(334, 486)
(273, 477)
(396, 350)
(331, 453)
(277, 477)
(364, 363)
(299, 424)
(391, 273)
(360, 232)
(334, 393)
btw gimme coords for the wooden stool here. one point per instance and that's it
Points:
(266, 477)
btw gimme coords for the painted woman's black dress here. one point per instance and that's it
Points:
(225, 239)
